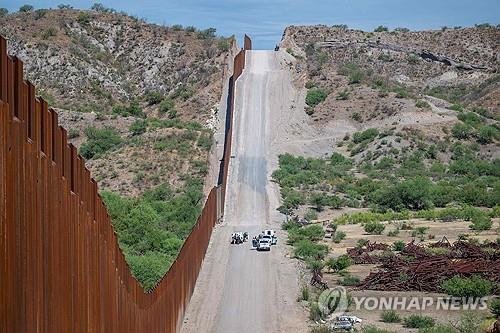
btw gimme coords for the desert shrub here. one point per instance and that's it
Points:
(421, 104)
(154, 97)
(321, 329)
(207, 33)
(339, 236)
(315, 313)
(398, 245)
(50, 32)
(315, 96)
(470, 118)
(4, 12)
(304, 294)
(167, 106)
(349, 280)
(440, 328)
(311, 215)
(487, 134)
(138, 127)
(319, 200)
(224, 44)
(64, 6)
(467, 287)
(342, 96)
(481, 222)
(374, 228)
(99, 141)
(356, 76)
(494, 307)
(26, 8)
(190, 28)
(205, 141)
(306, 249)
(132, 110)
(381, 28)
(366, 136)
(456, 107)
(340, 263)
(390, 316)
(148, 269)
(73, 133)
(418, 321)
(312, 233)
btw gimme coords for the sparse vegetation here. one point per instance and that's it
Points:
(390, 316)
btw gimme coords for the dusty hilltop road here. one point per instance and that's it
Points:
(240, 289)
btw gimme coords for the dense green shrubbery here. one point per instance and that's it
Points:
(308, 250)
(366, 136)
(315, 96)
(138, 127)
(467, 287)
(494, 307)
(374, 228)
(340, 263)
(151, 228)
(99, 141)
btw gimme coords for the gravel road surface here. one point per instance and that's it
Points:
(240, 289)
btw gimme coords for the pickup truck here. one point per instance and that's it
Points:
(264, 245)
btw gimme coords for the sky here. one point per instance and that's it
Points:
(265, 20)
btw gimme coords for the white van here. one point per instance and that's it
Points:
(272, 235)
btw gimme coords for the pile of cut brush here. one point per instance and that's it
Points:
(422, 268)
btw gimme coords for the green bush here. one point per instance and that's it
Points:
(167, 106)
(462, 131)
(4, 12)
(342, 96)
(339, 236)
(356, 76)
(398, 245)
(481, 222)
(315, 313)
(494, 307)
(340, 263)
(312, 233)
(99, 141)
(390, 316)
(440, 328)
(311, 215)
(374, 228)
(148, 269)
(138, 127)
(470, 118)
(306, 249)
(132, 110)
(154, 97)
(419, 321)
(315, 96)
(381, 28)
(456, 107)
(366, 136)
(421, 104)
(26, 8)
(488, 134)
(467, 287)
(304, 294)
(349, 280)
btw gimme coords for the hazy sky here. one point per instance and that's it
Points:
(264, 20)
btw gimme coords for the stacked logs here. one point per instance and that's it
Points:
(361, 255)
(417, 269)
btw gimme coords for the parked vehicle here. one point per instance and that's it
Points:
(272, 234)
(342, 325)
(352, 319)
(264, 245)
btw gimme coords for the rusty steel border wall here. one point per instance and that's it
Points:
(61, 269)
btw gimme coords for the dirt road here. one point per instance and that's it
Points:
(240, 289)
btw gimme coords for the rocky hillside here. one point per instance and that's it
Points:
(397, 108)
(123, 88)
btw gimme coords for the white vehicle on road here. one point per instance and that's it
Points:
(264, 245)
(272, 235)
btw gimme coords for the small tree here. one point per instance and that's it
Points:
(319, 200)
(467, 287)
(64, 6)
(381, 28)
(26, 8)
(340, 263)
(3, 12)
